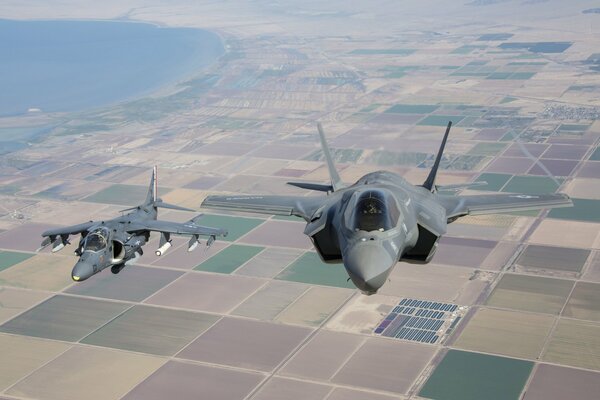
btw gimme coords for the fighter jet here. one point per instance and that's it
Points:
(118, 242)
(381, 219)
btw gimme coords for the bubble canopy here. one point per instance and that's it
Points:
(96, 240)
(372, 210)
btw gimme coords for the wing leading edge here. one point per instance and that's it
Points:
(303, 207)
(457, 206)
(187, 228)
(69, 230)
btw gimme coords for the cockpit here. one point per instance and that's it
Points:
(373, 210)
(96, 240)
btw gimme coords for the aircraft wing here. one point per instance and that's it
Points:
(186, 228)
(457, 206)
(299, 206)
(69, 230)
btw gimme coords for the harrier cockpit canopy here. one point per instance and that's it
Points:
(96, 240)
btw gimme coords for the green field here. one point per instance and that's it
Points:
(467, 48)
(370, 107)
(10, 258)
(495, 182)
(573, 128)
(310, 269)
(229, 259)
(471, 376)
(236, 226)
(522, 75)
(125, 195)
(499, 75)
(508, 99)
(412, 108)
(440, 120)
(531, 184)
(582, 210)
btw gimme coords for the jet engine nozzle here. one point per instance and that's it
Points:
(162, 249)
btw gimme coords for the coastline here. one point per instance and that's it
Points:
(169, 85)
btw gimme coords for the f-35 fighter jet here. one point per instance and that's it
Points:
(381, 219)
(118, 242)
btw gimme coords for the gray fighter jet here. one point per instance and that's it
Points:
(118, 242)
(381, 219)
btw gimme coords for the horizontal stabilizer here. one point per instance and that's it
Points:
(161, 204)
(196, 219)
(459, 186)
(312, 186)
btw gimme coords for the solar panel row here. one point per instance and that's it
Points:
(404, 310)
(416, 320)
(420, 312)
(429, 314)
(417, 335)
(424, 323)
(428, 304)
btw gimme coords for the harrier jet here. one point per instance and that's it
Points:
(118, 242)
(381, 219)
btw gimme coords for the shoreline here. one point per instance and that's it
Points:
(172, 86)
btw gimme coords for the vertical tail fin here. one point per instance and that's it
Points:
(336, 182)
(152, 195)
(430, 181)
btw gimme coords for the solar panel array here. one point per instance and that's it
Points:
(417, 320)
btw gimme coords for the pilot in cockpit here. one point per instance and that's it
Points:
(96, 240)
(373, 213)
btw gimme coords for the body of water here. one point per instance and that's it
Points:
(60, 66)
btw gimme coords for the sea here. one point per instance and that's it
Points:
(66, 66)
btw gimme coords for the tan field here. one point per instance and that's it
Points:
(575, 343)
(506, 332)
(530, 293)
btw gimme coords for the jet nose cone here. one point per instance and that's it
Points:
(369, 266)
(82, 271)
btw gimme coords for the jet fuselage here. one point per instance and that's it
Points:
(369, 226)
